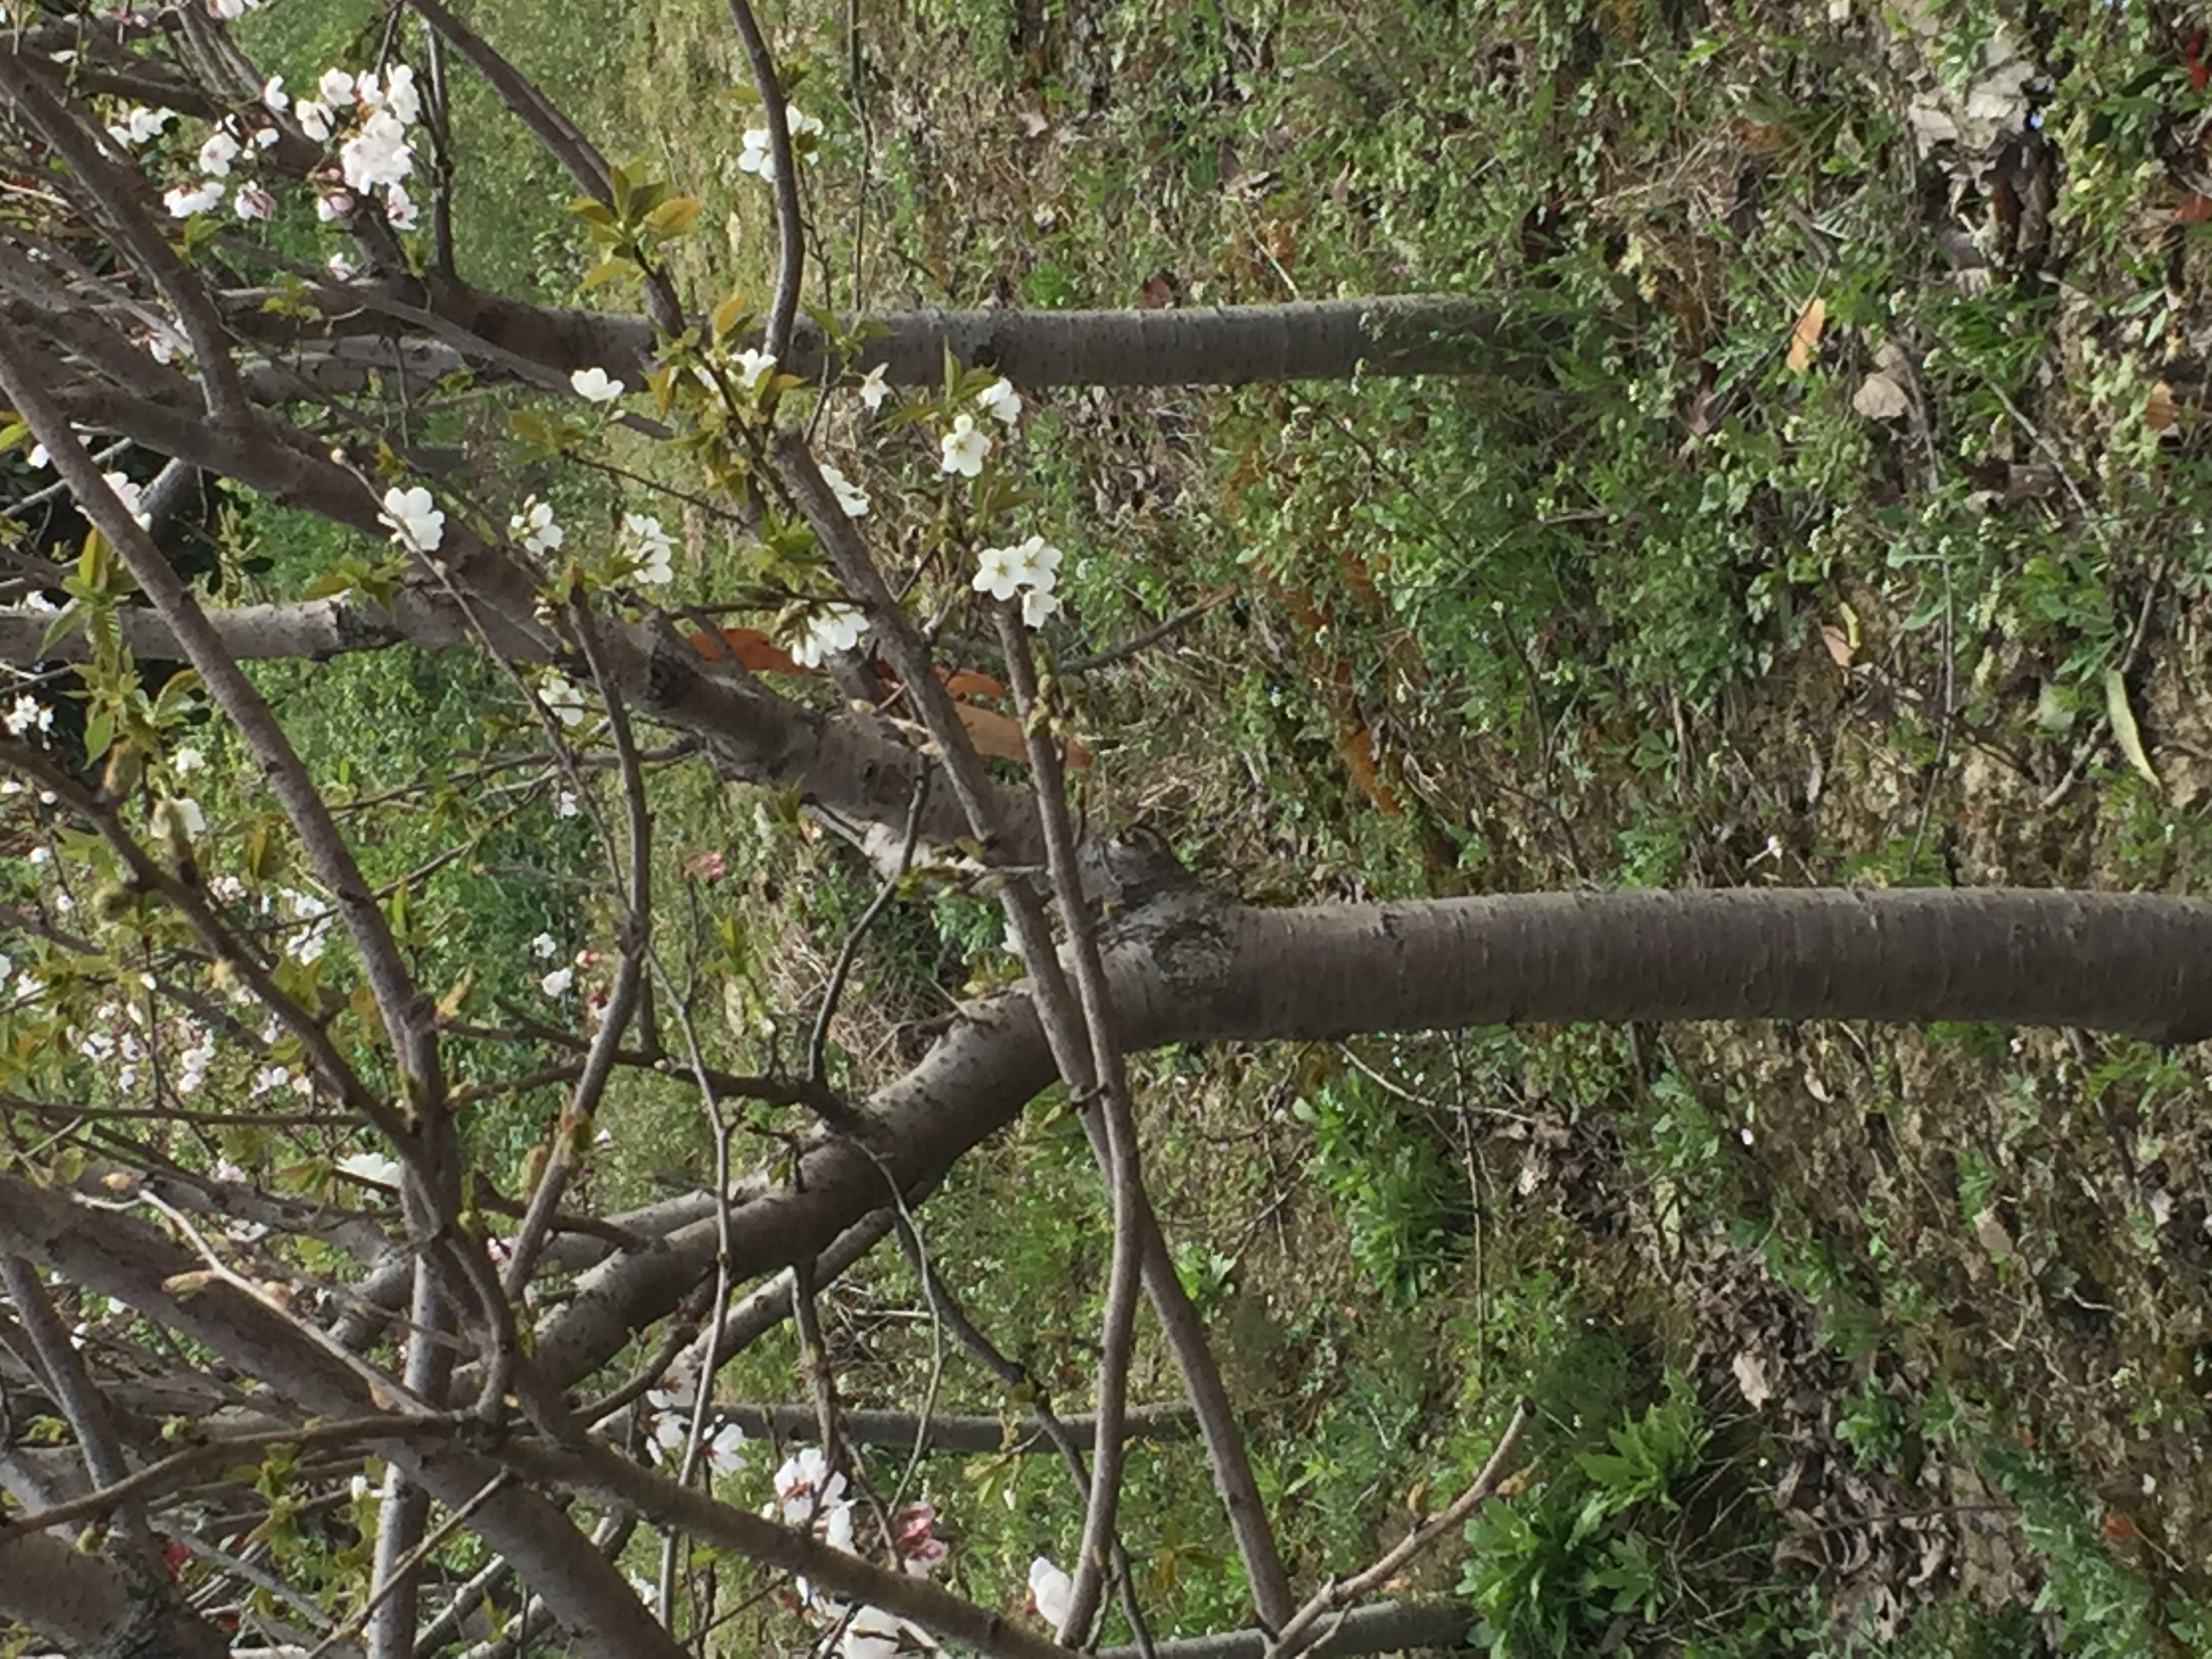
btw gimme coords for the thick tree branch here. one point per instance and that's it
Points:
(121, 194)
(1220, 345)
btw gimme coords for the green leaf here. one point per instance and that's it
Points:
(607, 270)
(64, 619)
(2124, 727)
(727, 314)
(673, 217)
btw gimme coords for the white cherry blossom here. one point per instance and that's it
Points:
(1001, 402)
(593, 384)
(217, 153)
(850, 495)
(753, 368)
(805, 1482)
(139, 125)
(414, 520)
(1053, 1591)
(965, 446)
(130, 496)
(655, 551)
(401, 96)
(184, 201)
(374, 1168)
(378, 154)
(874, 388)
(562, 700)
(995, 573)
(722, 1450)
(534, 526)
(830, 631)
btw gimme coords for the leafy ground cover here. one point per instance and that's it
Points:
(1841, 518)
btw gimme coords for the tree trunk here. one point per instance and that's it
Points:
(1194, 972)
(1219, 345)
(2112, 961)
(86, 1606)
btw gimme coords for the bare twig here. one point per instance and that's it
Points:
(790, 223)
(1303, 1628)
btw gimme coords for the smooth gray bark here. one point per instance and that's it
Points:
(1199, 973)
(901, 1429)
(1214, 346)
(1385, 1627)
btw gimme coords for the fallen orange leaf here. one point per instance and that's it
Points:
(1805, 336)
(970, 683)
(748, 648)
(1001, 736)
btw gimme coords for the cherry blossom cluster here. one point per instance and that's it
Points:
(669, 1426)
(556, 982)
(367, 117)
(829, 630)
(965, 447)
(1029, 569)
(810, 1493)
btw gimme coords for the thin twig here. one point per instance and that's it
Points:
(1301, 1631)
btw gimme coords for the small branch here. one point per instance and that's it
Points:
(790, 224)
(72, 1389)
(956, 1432)
(1124, 1176)
(595, 1469)
(817, 1042)
(174, 1470)
(574, 1129)
(1301, 1631)
(1385, 1627)
(1150, 637)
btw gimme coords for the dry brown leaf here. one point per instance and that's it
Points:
(1755, 1376)
(1881, 398)
(1838, 644)
(2161, 412)
(1805, 337)
(1762, 137)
